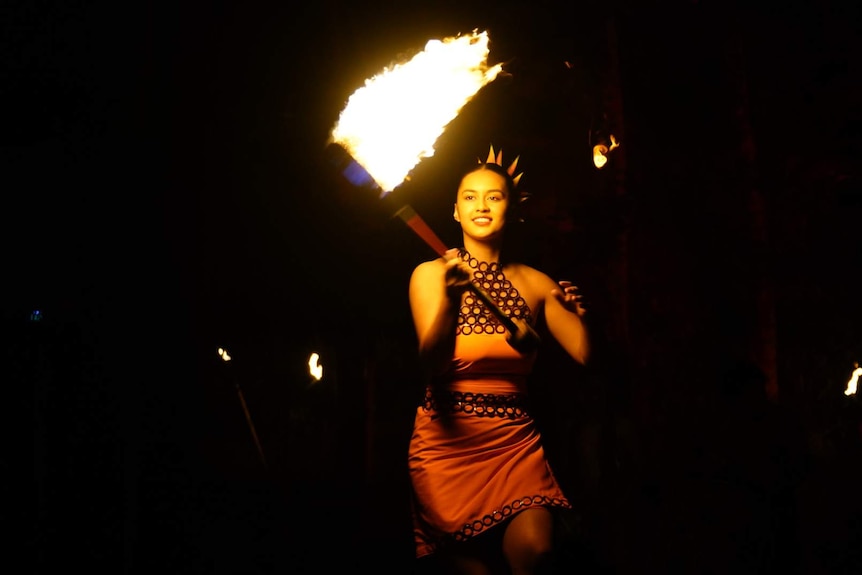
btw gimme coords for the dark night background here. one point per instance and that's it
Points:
(166, 193)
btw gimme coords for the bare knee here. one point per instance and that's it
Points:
(528, 541)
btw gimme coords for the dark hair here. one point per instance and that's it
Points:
(497, 169)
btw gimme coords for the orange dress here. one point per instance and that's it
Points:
(475, 456)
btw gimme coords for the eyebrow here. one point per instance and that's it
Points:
(494, 191)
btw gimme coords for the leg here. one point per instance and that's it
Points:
(468, 565)
(528, 541)
(478, 556)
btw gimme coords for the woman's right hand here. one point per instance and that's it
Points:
(457, 274)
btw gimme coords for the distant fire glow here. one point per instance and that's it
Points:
(223, 354)
(391, 123)
(601, 151)
(314, 366)
(854, 380)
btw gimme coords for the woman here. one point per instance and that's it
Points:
(484, 493)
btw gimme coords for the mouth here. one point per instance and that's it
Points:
(482, 221)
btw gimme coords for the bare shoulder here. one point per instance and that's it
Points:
(428, 268)
(533, 284)
(427, 271)
(531, 277)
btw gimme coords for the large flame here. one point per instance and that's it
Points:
(392, 122)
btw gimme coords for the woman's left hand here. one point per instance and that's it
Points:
(569, 296)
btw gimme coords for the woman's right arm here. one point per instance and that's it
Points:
(435, 295)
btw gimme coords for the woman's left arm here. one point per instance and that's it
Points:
(563, 315)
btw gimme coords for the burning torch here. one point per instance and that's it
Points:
(391, 123)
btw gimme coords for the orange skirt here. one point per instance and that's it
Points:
(475, 460)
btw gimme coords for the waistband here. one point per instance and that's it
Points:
(508, 405)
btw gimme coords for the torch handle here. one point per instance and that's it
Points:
(495, 309)
(418, 225)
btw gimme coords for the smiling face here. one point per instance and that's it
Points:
(481, 205)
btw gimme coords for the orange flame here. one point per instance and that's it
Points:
(315, 368)
(854, 380)
(601, 151)
(391, 123)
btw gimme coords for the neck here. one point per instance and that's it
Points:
(486, 252)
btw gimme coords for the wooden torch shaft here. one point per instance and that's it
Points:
(418, 225)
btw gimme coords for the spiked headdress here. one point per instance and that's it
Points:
(497, 158)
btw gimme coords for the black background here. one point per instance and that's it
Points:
(166, 193)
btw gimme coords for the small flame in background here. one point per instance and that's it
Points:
(601, 151)
(854, 380)
(391, 123)
(222, 352)
(315, 369)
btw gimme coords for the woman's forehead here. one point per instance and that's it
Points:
(483, 180)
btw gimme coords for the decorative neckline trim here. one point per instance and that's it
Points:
(474, 317)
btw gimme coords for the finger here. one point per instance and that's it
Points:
(559, 295)
(566, 300)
